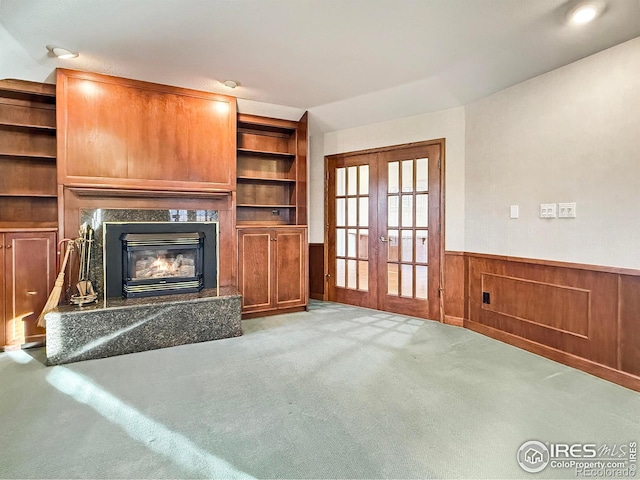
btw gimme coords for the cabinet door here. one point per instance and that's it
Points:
(30, 270)
(254, 270)
(291, 267)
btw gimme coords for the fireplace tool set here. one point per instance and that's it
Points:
(85, 292)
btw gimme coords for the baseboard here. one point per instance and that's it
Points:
(455, 321)
(268, 313)
(316, 296)
(607, 373)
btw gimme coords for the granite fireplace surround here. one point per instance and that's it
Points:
(116, 326)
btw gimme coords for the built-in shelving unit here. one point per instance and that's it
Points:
(268, 172)
(28, 189)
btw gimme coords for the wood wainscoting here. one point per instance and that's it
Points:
(316, 271)
(584, 316)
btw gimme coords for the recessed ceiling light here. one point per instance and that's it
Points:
(585, 12)
(61, 52)
(230, 83)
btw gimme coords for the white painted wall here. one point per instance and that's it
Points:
(448, 124)
(571, 135)
(15, 62)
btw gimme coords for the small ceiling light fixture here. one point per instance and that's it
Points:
(231, 83)
(585, 12)
(61, 52)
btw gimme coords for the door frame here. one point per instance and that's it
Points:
(441, 205)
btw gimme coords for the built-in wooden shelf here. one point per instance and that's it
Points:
(28, 194)
(29, 91)
(266, 153)
(26, 156)
(244, 178)
(28, 128)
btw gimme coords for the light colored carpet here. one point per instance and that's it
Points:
(337, 392)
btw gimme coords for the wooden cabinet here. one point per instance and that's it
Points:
(28, 191)
(271, 171)
(27, 275)
(271, 213)
(120, 133)
(272, 268)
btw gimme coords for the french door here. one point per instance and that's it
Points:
(383, 229)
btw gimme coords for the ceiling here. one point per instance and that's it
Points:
(350, 61)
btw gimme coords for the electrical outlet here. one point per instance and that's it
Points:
(566, 210)
(547, 210)
(275, 212)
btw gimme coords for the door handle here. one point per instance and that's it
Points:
(383, 239)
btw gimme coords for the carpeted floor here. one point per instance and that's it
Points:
(338, 392)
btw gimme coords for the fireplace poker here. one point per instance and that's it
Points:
(86, 293)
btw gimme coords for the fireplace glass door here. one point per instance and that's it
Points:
(157, 264)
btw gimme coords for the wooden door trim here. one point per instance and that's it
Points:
(441, 142)
(402, 146)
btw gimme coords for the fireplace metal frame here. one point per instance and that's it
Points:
(157, 227)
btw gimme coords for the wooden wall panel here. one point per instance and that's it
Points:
(558, 307)
(117, 132)
(454, 283)
(630, 324)
(583, 315)
(600, 343)
(316, 271)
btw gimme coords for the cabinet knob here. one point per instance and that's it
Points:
(1, 247)
(9, 246)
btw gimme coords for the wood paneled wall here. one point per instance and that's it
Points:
(117, 132)
(584, 316)
(316, 271)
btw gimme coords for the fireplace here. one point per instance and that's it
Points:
(161, 263)
(159, 258)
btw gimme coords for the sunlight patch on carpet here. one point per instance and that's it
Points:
(155, 436)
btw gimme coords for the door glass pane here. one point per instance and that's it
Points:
(351, 242)
(392, 241)
(407, 211)
(352, 181)
(340, 242)
(363, 214)
(422, 210)
(363, 244)
(352, 274)
(407, 246)
(422, 246)
(422, 175)
(392, 212)
(352, 212)
(394, 177)
(407, 280)
(364, 180)
(341, 181)
(392, 278)
(363, 275)
(407, 175)
(340, 272)
(421, 281)
(341, 206)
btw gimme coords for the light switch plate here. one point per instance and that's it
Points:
(514, 211)
(567, 210)
(547, 210)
